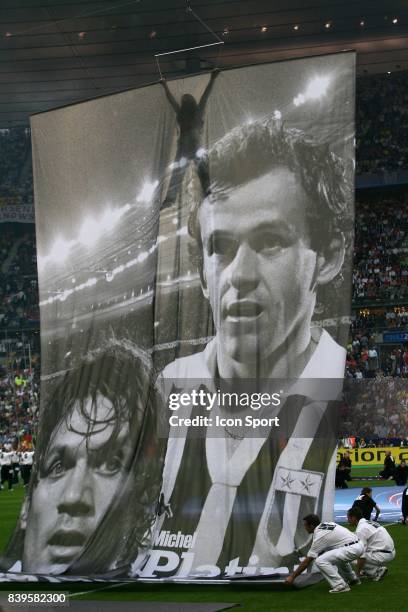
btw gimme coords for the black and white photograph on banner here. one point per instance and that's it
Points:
(197, 228)
(270, 225)
(95, 454)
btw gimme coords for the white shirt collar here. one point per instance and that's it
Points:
(327, 362)
(326, 368)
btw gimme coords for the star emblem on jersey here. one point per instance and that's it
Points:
(287, 480)
(307, 483)
(299, 482)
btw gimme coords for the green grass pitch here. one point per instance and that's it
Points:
(385, 596)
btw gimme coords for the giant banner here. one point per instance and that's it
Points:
(194, 250)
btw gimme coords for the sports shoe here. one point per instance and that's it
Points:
(380, 574)
(341, 588)
(356, 581)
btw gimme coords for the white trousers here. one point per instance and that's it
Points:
(335, 566)
(375, 559)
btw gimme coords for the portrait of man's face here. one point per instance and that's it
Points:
(78, 479)
(258, 265)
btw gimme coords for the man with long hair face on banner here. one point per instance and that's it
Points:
(271, 228)
(96, 476)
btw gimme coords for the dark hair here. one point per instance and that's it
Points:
(312, 519)
(366, 490)
(251, 151)
(356, 512)
(117, 373)
(188, 103)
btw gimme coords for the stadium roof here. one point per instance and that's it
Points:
(55, 52)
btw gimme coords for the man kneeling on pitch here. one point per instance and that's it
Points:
(378, 545)
(333, 548)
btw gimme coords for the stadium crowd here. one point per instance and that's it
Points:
(380, 269)
(19, 400)
(386, 319)
(19, 387)
(382, 123)
(363, 358)
(377, 409)
(16, 181)
(18, 280)
(358, 442)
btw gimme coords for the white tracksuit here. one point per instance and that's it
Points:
(334, 547)
(378, 545)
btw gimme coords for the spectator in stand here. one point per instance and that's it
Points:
(401, 474)
(372, 361)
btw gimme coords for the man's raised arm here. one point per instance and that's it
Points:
(170, 96)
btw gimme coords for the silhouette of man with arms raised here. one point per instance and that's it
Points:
(190, 120)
